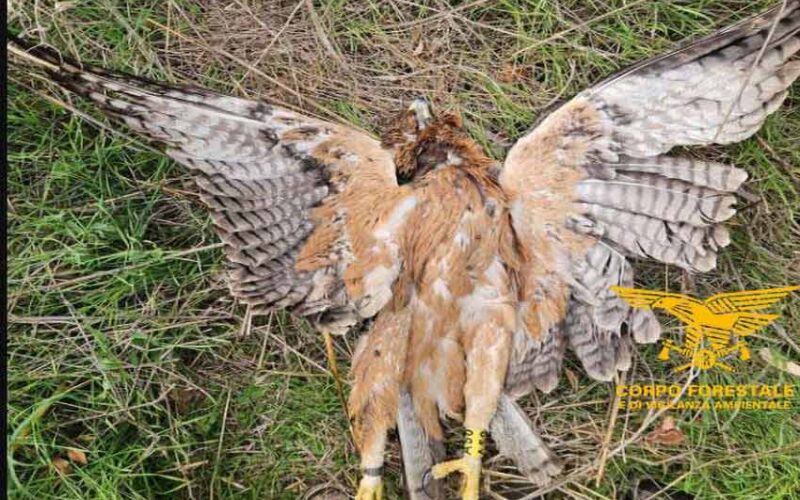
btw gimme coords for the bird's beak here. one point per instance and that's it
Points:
(422, 112)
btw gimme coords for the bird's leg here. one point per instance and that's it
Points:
(469, 465)
(487, 353)
(372, 448)
(376, 372)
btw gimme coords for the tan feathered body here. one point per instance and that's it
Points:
(456, 284)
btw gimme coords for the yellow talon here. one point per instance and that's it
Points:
(370, 488)
(470, 467)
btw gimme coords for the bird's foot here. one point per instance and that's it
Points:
(467, 465)
(370, 488)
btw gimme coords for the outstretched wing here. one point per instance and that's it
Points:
(301, 204)
(748, 300)
(592, 186)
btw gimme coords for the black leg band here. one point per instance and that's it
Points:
(373, 471)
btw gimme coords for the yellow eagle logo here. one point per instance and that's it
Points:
(721, 320)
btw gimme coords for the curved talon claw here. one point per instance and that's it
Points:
(470, 467)
(370, 488)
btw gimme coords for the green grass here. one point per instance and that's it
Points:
(123, 341)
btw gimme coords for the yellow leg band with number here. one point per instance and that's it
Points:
(474, 441)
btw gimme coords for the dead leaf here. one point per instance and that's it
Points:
(667, 433)
(512, 73)
(77, 456)
(185, 398)
(507, 74)
(61, 466)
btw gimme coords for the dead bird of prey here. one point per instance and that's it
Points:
(478, 274)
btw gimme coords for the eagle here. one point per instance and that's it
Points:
(476, 274)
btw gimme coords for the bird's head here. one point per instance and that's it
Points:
(422, 141)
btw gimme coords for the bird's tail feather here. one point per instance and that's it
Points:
(513, 433)
(419, 453)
